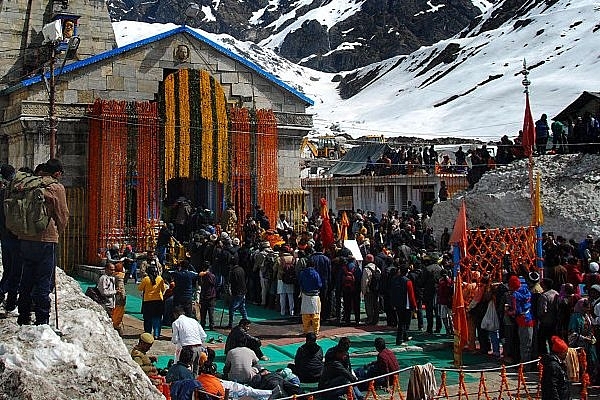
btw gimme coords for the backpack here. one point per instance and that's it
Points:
(549, 318)
(348, 280)
(269, 264)
(94, 293)
(289, 272)
(375, 282)
(25, 206)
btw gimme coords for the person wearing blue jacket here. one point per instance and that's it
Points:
(310, 309)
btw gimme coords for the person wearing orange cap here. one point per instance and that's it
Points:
(555, 382)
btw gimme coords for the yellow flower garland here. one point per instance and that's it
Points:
(184, 123)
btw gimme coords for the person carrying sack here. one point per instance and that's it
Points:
(37, 218)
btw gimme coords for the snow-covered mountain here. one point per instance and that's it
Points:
(328, 35)
(466, 86)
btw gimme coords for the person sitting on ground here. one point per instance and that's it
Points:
(386, 362)
(241, 364)
(146, 362)
(213, 385)
(308, 362)
(267, 380)
(208, 375)
(187, 333)
(181, 369)
(239, 337)
(343, 344)
(336, 374)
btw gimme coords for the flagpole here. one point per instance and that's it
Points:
(526, 82)
(457, 347)
(534, 192)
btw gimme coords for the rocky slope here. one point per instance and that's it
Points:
(89, 360)
(570, 197)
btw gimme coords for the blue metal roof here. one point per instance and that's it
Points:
(181, 29)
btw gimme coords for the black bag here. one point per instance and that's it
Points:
(289, 272)
(479, 310)
(94, 293)
(375, 283)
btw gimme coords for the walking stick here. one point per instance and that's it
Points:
(55, 299)
(222, 313)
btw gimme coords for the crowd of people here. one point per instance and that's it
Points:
(244, 376)
(405, 274)
(402, 272)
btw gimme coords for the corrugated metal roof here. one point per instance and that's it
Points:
(141, 43)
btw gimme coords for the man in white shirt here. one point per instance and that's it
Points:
(106, 286)
(283, 227)
(187, 332)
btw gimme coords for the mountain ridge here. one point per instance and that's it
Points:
(328, 35)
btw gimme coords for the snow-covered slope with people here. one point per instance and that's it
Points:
(468, 86)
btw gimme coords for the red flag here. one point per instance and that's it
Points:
(528, 129)
(459, 233)
(459, 320)
(326, 231)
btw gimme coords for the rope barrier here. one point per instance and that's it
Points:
(443, 388)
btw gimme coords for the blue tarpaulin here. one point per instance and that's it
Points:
(356, 159)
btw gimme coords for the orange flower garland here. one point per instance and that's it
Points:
(120, 176)
(169, 128)
(207, 126)
(267, 163)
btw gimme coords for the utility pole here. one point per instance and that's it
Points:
(52, 120)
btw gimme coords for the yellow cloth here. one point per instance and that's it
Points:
(572, 362)
(152, 292)
(311, 323)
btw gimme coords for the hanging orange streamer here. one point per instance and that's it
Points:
(267, 163)
(119, 177)
(241, 184)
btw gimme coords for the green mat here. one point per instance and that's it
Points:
(133, 306)
(361, 350)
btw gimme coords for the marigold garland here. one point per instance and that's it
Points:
(240, 149)
(267, 163)
(184, 124)
(207, 131)
(119, 167)
(169, 128)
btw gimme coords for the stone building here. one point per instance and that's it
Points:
(92, 70)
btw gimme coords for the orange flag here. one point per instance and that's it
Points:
(345, 224)
(459, 233)
(459, 315)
